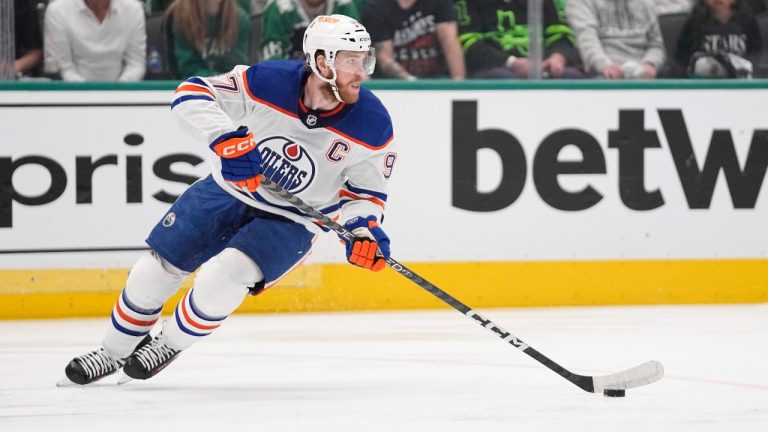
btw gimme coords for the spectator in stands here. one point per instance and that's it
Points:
(415, 38)
(162, 5)
(29, 38)
(95, 40)
(679, 6)
(286, 20)
(663, 7)
(152, 6)
(494, 35)
(255, 7)
(721, 39)
(210, 36)
(617, 38)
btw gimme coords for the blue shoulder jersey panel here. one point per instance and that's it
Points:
(280, 82)
(368, 121)
(277, 82)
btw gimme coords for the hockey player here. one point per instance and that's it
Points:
(308, 126)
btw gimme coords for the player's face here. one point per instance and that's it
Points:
(351, 69)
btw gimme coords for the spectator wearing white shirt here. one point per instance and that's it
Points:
(617, 39)
(95, 40)
(663, 7)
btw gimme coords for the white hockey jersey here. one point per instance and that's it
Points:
(338, 162)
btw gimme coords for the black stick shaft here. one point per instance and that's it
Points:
(582, 382)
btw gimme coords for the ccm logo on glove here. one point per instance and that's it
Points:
(240, 163)
(228, 149)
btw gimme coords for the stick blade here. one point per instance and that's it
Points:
(644, 374)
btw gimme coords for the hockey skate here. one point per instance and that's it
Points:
(148, 361)
(93, 366)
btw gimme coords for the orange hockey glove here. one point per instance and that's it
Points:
(240, 160)
(370, 247)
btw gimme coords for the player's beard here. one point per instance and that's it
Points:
(348, 93)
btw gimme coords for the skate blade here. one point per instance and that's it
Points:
(123, 378)
(65, 382)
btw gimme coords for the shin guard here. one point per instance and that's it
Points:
(150, 283)
(220, 286)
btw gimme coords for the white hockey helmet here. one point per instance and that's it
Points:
(334, 33)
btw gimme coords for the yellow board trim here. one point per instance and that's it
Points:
(26, 294)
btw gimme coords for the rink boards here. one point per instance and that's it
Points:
(502, 195)
(340, 287)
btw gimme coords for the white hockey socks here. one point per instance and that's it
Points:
(150, 283)
(220, 286)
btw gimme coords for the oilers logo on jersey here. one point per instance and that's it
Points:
(287, 163)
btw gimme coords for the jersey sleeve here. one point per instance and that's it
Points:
(207, 107)
(365, 189)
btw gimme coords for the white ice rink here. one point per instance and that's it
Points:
(407, 371)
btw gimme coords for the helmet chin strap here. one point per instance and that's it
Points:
(331, 81)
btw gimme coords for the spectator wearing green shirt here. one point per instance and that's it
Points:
(286, 20)
(494, 36)
(210, 36)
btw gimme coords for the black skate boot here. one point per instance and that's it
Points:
(149, 360)
(95, 365)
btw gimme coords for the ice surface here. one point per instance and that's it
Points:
(407, 371)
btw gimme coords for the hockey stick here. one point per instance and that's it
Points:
(643, 374)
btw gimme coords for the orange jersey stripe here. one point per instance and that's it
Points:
(245, 86)
(195, 88)
(325, 114)
(348, 194)
(334, 111)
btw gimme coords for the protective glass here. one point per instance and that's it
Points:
(356, 62)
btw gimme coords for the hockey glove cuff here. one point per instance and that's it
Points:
(240, 160)
(370, 247)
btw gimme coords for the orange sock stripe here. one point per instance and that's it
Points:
(190, 321)
(130, 319)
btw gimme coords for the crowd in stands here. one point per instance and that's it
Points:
(131, 40)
